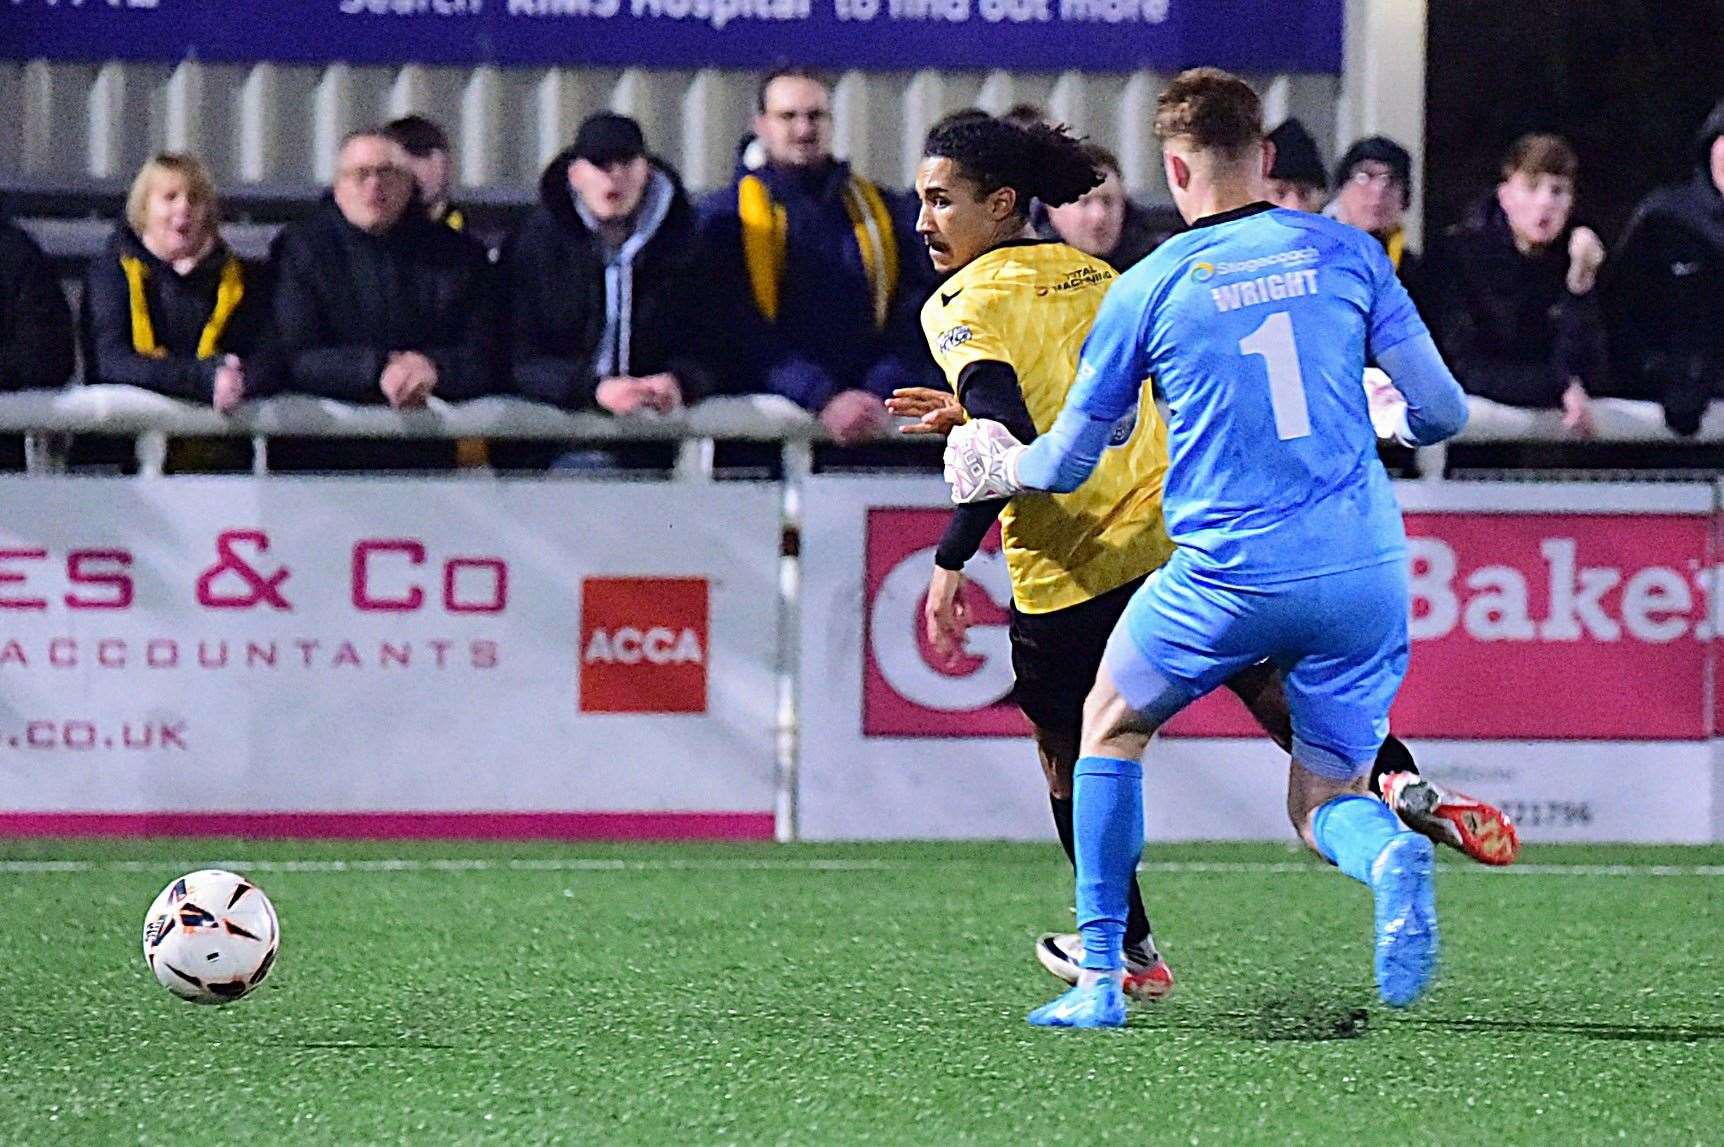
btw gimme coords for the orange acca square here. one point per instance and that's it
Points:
(643, 644)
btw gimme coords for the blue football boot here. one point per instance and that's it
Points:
(1404, 886)
(1101, 1005)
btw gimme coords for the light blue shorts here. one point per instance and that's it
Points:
(1339, 639)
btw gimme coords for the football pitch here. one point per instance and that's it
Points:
(826, 994)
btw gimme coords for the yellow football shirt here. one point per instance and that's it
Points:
(1030, 305)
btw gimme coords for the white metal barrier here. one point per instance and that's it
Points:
(45, 417)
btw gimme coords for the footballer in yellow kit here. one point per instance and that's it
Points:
(1007, 328)
(1025, 306)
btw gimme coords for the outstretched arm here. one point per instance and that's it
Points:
(1435, 407)
(1109, 383)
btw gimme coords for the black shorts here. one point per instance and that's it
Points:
(1055, 657)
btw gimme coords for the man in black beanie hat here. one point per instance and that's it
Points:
(433, 166)
(1296, 177)
(1373, 187)
(1664, 291)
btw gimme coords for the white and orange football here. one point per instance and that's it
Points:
(211, 936)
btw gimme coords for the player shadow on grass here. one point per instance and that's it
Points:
(1314, 1019)
(1589, 1029)
(1276, 1019)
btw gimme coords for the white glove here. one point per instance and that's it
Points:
(1388, 408)
(982, 461)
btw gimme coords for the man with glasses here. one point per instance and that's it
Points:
(819, 272)
(1373, 187)
(376, 303)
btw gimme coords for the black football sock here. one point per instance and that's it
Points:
(1137, 918)
(1393, 757)
(1062, 807)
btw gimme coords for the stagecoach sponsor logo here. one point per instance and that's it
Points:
(1082, 277)
(908, 689)
(951, 340)
(1283, 260)
(644, 645)
(1548, 626)
(1203, 270)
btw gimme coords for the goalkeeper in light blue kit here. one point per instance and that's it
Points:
(1257, 324)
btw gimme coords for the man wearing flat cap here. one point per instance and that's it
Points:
(607, 282)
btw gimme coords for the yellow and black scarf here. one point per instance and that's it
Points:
(1395, 243)
(765, 230)
(229, 293)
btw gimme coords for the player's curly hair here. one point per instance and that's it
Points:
(1037, 162)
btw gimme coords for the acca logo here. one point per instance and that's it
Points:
(906, 689)
(643, 645)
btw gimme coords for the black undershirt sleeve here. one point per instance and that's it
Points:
(986, 390)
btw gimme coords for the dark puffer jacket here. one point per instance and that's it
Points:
(1506, 322)
(1664, 293)
(578, 313)
(180, 308)
(35, 321)
(346, 299)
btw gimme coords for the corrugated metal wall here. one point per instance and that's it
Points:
(278, 127)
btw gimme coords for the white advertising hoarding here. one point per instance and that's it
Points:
(1562, 665)
(388, 657)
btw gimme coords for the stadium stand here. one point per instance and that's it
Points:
(270, 133)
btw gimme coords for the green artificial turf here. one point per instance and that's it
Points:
(815, 994)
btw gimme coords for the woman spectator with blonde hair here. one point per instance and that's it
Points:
(167, 306)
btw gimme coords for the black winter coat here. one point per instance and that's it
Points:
(1665, 298)
(36, 350)
(345, 299)
(179, 308)
(556, 275)
(1506, 322)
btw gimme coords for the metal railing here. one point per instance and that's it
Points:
(48, 418)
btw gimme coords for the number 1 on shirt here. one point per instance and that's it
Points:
(1274, 342)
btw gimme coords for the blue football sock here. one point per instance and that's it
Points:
(1351, 830)
(1107, 818)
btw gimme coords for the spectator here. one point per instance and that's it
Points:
(1296, 176)
(819, 275)
(36, 344)
(433, 166)
(36, 350)
(1666, 290)
(1373, 186)
(1106, 223)
(1516, 314)
(167, 306)
(374, 302)
(607, 285)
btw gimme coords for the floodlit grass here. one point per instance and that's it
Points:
(809, 994)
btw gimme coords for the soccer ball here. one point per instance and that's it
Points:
(211, 936)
